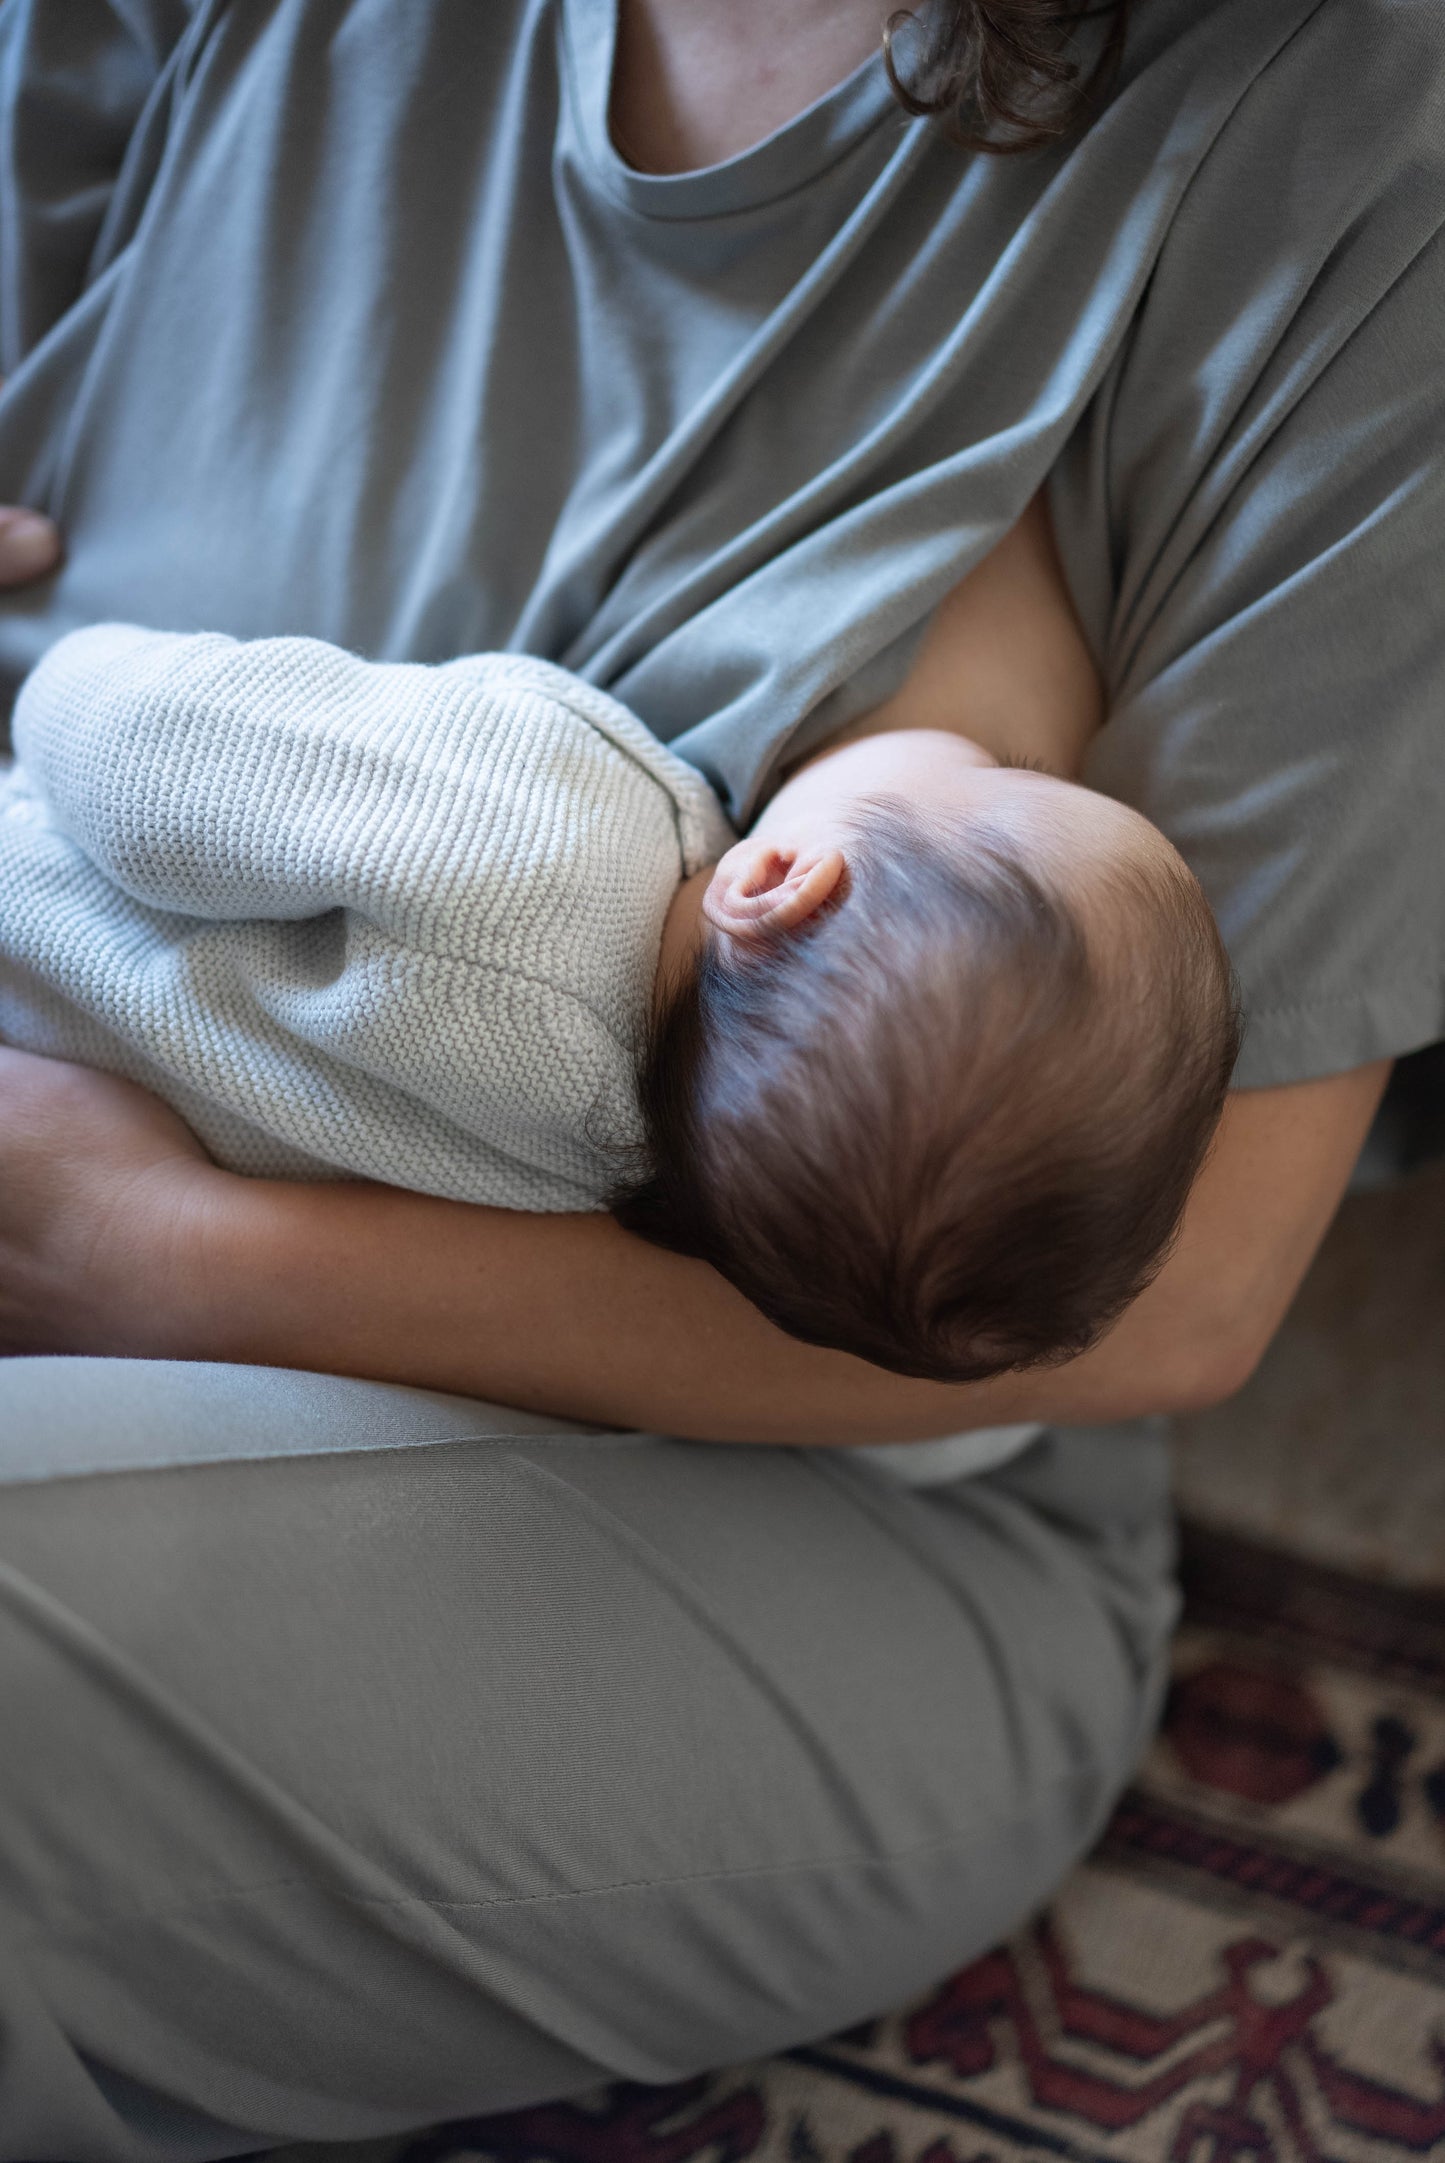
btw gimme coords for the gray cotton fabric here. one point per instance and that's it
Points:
(348, 917)
(479, 1760)
(374, 1783)
(351, 322)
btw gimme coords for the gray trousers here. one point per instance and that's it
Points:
(373, 1757)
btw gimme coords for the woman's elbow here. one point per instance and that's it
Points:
(1214, 1363)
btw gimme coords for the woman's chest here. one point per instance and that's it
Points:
(394, 351)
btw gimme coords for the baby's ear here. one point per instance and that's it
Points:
(759, 889)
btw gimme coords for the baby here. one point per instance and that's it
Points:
(932, 1077)
(925, 1065)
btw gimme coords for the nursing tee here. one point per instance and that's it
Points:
(345, 319)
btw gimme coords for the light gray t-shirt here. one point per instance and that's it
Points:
(348, 320)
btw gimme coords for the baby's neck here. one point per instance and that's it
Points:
(683, 932)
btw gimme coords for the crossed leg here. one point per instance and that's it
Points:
(412, 1759)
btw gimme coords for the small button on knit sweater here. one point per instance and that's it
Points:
(352, 917)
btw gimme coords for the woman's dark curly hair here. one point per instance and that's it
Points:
(1003, 75)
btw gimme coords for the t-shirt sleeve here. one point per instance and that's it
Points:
(75, 78)
(1270, 599)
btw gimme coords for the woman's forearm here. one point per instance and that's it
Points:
(568, 1315)
(573, 1316)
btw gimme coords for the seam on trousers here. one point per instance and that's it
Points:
(298, 1821)
(436, 1904)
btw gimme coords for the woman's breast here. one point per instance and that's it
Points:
(1004, 659)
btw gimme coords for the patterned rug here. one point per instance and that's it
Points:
(1251, 1968)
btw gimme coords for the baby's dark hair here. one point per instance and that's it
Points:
(933, 1126)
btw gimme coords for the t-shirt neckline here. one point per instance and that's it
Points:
(782, 162)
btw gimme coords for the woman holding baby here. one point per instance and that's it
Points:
(355, 1783)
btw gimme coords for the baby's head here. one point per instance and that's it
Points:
(937, 1060)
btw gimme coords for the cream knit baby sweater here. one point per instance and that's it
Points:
(366, 918)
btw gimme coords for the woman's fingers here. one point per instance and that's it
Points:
(30, 543)
(30, 546)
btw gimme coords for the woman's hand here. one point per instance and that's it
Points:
(30, 546)
(102, 1192)
(30, 543)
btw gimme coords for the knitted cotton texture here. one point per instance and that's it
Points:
(353, 917)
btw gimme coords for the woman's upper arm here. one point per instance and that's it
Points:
(1261, 1206)
(1270, 615)
(1255, 551)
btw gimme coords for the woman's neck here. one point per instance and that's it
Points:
(698, 81)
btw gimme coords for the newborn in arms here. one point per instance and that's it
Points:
(925, 1065)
